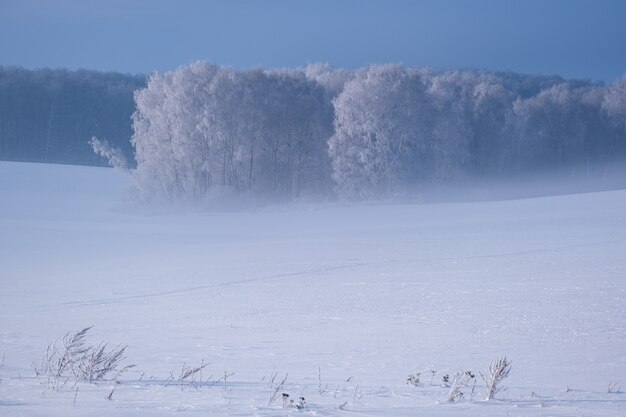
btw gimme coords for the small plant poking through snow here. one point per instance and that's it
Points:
(613, 388)
(287, 403)
(278, 388)
(109, 397)
(189, 376)
(455, 393)
(460, 380)
(432, 376)
(321, 388)
(414, 379)
(498, 371)
(301, 403)
(445, 380)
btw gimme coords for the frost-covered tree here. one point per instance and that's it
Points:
(332, 79)
(380, 133)
(555, 127)
(296, 123)
(203, 129)
(171, 146)
(452, 97)
(489, 105)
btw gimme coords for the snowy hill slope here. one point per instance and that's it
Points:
(348, 301)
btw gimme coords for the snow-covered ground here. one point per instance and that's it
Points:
(345, 300)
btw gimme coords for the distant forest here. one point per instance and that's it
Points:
(49, 115)
(380, 131)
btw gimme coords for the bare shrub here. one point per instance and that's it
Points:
(97, 363)
(74, 359)
(498, 371)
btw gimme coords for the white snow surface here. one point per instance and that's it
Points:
(357, 297)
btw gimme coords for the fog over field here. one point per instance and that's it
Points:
(345, 301)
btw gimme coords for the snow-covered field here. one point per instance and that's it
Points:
(347, 301)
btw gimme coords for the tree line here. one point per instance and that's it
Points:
(380, 131)
(49, 115)
(385, 130)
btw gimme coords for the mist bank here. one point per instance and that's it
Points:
(540, 183)
(205, 131)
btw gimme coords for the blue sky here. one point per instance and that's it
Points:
(574, 38)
